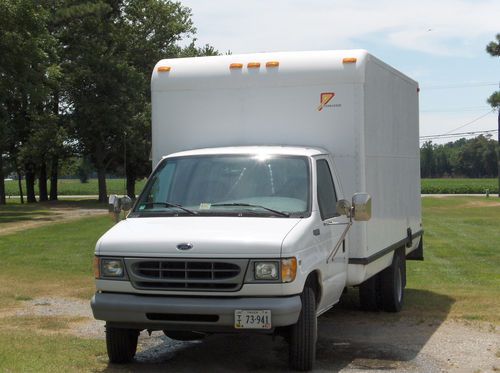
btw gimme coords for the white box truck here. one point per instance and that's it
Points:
(280, 179)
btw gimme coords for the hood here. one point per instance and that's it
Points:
(234, 237)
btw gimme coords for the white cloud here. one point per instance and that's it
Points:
(449, 27)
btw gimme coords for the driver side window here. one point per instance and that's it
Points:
(327, 198)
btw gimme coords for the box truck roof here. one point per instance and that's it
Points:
(261, 69)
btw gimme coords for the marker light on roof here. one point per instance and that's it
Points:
(253, 65)
(236, 66)
(163, 69)
(349, 60)
(272, 64)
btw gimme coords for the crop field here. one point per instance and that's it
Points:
(459, 186)
(458, 280)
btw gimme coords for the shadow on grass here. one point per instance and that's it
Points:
(346, 337)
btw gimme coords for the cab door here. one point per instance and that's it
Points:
(333, 264)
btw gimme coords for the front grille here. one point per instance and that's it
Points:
(187, 274)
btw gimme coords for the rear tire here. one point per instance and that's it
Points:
(121, 344)
(303, 335)
(392, 284)
(369, 294)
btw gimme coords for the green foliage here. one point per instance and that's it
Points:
(473, 158)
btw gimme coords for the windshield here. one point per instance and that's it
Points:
(241, 185)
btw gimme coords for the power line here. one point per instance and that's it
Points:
(429, 137)
(460, 85)
(470, 122)
(454, 110)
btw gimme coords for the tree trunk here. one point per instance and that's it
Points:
(30, 183)
(101, 174)
(2, 182)
(131, 176)
(53, 178)
(42, 182)
(101, 179)
(20, 184)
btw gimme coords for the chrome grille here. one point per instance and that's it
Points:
(187, 274)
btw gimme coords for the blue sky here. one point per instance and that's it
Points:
(441, 44)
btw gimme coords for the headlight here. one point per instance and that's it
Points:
(266, 270)
(108, 268)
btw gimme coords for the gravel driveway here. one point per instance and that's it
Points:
(349, 341)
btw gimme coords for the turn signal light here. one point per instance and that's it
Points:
(288, 269)
(97, 267)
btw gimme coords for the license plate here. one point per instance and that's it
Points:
(252, 319)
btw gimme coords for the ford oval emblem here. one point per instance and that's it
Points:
(184, 246)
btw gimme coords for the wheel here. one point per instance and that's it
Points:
(392, 284)
(121, 344)
(369, 294)
(303, 334)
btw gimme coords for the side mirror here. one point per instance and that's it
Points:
(343, 207)
(126, 203)
(361, 206)
(117, 204)
(114, 204)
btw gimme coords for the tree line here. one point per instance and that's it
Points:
(74, 81)
(472, 158)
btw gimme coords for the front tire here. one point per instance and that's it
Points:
(393, 281)
(121, 344)
(304, 333)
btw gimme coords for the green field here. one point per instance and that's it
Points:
(459, 186)
(71, 187)
(68, 187)
(459, 279)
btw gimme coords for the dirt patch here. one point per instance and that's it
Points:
(348, 342)
(55, 215)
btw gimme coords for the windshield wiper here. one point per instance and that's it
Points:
(250, 205)
(169, 204)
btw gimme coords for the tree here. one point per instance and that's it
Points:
(493, 48)
(110, 50)
(24, 62)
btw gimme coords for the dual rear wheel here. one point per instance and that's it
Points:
(385, 290)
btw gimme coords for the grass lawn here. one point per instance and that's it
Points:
(69, 187)
(459, 279)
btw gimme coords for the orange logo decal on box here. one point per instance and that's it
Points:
(325, 98)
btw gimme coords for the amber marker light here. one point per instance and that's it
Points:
(288, 269)
(97, 267)
(253, 65)
(349, 60)
(272, 64)
(164, 69)
(236, 66)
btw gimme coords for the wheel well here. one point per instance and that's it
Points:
(313, 281)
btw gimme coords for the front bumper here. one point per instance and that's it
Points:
(209, 314)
